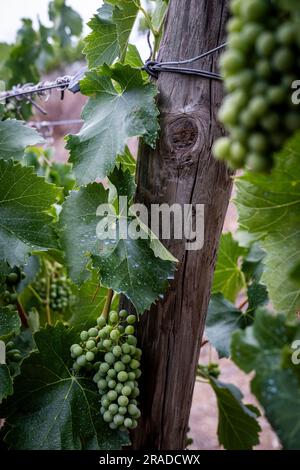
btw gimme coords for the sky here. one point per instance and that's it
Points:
(11, 12)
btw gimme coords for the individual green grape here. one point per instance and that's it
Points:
(109, 358)
(118, 419)
(265, 43)
(117, 351)
(133, 410)
(119, 388)
(112, 384)
(93, 332)
(253, 10)
(12, 278)
(81, 360)
(104, 367)
(107, 343)
(131, 375)
(128, 423)
(90, 344)
(122, 410)
(115, 335)
(126, 391)
(119, 366)
(283, 59)
(123, 401)
(84, 336)
(90, 356)
(108, 417)
(126, 348)
(101, 322)
(113, 408)
(126, 358)
(134, 364)
(123, 313)
(77, 350)
(122, 376)
(111, 373)
(131, 340)
(221, 148)
(113, 317)
(138, 373)
(131, 319)
(112, 395)
(129, 330)
(287, 33)
(102, 384)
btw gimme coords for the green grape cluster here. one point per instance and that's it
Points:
(9, 294)
(110, 348)
(259, 66)
(61, 296)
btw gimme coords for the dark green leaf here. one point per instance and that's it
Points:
(78, 223)
(238, 428)
(51, 408)
(269, 208)
(261, 348)
(223, 318)
(15, 136)
(9, 322)
(66, 22)
(123, 182)
(128, 112)
(24, 200)
(257, 296)
(6, 383)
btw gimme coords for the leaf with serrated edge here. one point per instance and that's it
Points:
(110, 118)
(260, 348)
(111, 28)
(228, 278)
(268, 206)
(238, 428)
(25, 199)
(52, 409)
(15, 136)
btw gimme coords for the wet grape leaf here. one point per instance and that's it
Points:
(6, 383)
(128, 111)
(9, 322)
(24, 201)
(15, 136)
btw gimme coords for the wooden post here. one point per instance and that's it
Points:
(182, 170)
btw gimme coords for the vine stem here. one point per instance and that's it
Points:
(243, 304)
(36, 294)
(106, 308)
(22, 314)
(48, 311)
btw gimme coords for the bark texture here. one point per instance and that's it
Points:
(182, 170)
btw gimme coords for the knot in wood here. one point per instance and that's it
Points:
(182, 134)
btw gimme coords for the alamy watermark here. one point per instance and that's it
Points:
(175, 222)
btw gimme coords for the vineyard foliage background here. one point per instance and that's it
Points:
(56, 273)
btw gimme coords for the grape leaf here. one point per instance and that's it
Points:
(9, 322)
(24, 200)
(238, 428)
(52, 409)
(257, 296)
(15, 136)
(78, 223)
(223, 318)
(90, 300)
(130, 267)
(268, 207)
(6, 383)
(123, 182)
(229, 278)
(111, 28)
(126, 265)
(110, 118)
(261, 348)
